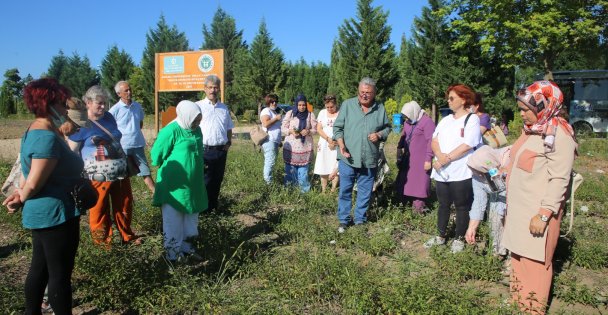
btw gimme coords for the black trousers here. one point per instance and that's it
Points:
(459, 193)
(215, 165)
(53, 253)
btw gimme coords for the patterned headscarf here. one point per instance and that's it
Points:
(187, 111)
(545, 99)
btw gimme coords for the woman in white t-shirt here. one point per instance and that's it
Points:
(454, 140)
(271, 123)
(326, 163)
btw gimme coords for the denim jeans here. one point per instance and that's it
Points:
(297, 175)
(365, 183)
(270, 156)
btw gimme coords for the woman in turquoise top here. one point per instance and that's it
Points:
(180, 181)
(50, 171)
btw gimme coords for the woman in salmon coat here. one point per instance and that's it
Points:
(538, 177)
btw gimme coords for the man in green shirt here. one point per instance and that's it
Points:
(359, 128)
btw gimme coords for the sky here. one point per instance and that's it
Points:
(32, 32)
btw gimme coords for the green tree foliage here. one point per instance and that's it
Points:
(10, 92)
(223, 34)
(525, 33)
(404, 69)
(391, 107)
(160, 40)
(75, 72)
(429, 65)
(78, 75)
(364, 50)
(115, 66)
(312, 80)
(21, 108)
(334, 71)
(261, 70)
(136, 82)
(58, 64)
(315, 84)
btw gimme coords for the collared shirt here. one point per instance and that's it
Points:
(354, 127)
(216, 122)
(129, 118)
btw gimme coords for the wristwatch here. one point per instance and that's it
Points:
(544, 218)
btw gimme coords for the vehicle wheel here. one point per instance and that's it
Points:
(583, 129)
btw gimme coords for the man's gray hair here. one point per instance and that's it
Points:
(95, 93)
(118, 84)
(368, 81)
(213, 79)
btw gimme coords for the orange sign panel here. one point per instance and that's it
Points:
(186, 71)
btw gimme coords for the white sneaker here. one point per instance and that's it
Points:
(342, 228)
(457, 246)
(435, 240)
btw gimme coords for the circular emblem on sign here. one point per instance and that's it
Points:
(205, 63)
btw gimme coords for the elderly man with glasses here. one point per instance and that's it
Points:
(359, 128)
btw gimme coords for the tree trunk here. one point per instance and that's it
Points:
(548, 65)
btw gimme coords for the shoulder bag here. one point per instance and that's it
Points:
(494, 137)
(258, 135)
(111, 169)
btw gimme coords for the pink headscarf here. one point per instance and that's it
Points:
(545, 99)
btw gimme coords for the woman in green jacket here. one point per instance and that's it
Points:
(180, 186)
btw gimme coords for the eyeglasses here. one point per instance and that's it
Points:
(329, 98)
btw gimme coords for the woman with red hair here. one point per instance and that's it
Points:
(453, 142)
(537, 181)
(50, 171)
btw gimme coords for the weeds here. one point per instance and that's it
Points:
(278, 251)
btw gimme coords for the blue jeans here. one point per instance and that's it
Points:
(270, 155)
(365, 183)
(297, 175)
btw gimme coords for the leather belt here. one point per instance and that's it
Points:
(214, 147)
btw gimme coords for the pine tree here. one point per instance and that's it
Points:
(433, 65)
(364, 50)
(223, 35)
(74, 72)
(262, 70)
(78, 75)
(162, 39)
(57, 66)
(115, 66)
(10, 92)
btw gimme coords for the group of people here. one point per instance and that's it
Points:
(69, 139)
(524, 184)
(299, 125)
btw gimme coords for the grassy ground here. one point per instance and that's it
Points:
(279, 252)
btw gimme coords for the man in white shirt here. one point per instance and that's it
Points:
(129, 117)
(216, 127)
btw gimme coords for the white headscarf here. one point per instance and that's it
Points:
(187, 112)
(412, 111)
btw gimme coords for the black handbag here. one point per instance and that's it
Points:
(132, 166)
(84, 194)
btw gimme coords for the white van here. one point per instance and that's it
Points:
(586, 98)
